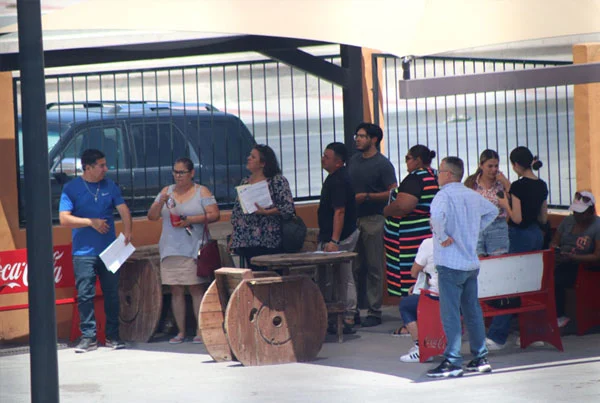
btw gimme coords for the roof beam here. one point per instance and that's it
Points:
(159, 50)
(310, 64)
(500, 81)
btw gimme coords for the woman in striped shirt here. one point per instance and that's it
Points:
(407, 218)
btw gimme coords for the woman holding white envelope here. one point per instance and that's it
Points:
(257, 228)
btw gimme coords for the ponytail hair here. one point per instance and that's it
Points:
(422, 152)
(525, 159)
(472, 179)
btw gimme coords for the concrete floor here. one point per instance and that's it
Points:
(365, 368)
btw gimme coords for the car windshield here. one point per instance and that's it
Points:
(55, 131)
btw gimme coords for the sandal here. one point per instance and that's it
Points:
(197, 340)
(176, 340)
(400, 332)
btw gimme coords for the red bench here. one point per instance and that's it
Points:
(587, 300)
(526, 275)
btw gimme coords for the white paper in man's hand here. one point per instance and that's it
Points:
(116, 253)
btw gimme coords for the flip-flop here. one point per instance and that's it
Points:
(400, 332)
(197, 340)
(176, 340)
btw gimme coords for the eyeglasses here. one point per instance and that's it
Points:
(361, 136)
(585, 199)
(408, 158)
(179, 173)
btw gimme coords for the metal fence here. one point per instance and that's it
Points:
(295, 113)
(464, 125)
(298, 114)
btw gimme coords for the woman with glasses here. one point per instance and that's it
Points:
(577, 240)
(489, 182)
(407, 219)
(259, 233)
(527, 209)
(185, 208)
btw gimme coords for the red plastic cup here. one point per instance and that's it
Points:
(175, 219)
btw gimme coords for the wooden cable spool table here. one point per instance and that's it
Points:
(261, 318)
(285, 262)
(140, 295)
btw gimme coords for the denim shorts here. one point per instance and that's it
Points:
(494, 239)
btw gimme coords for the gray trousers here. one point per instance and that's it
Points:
(370, 259)
(345, 288)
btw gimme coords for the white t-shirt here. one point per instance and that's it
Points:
(425, 258)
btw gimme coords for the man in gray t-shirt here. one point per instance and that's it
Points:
(373, 176)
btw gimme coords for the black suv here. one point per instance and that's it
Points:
(141, 140)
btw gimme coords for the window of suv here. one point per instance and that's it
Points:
(108, 139)
(158, 144)
(227, 140)
(55, 131)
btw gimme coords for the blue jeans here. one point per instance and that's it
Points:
(521, 240)
(525, 239)
(493, 240)
(408, 308)
(458, 292)
(86, 269)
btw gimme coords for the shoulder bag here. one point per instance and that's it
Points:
(293, 232)
(208, 259)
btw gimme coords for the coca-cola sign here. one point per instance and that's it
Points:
(13, 269)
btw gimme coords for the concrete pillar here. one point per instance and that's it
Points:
(587, 123)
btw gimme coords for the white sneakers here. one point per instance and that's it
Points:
(534, 344)
(413, 355)
(563, 321)
(492, 345)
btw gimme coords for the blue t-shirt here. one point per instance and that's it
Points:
(79, 197)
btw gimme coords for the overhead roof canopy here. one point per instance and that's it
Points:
(399, 27)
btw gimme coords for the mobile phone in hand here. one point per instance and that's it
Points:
(500, 194)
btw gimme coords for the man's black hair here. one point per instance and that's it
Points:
(372, 130)
(339, 149)
(90, 157)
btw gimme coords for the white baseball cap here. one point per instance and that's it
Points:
(582, 201)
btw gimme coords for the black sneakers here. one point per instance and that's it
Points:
(479, 365)
(371, 321)
(115, 344)
(86, 344)
(445, 370)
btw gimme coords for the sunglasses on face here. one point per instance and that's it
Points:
(585, 199)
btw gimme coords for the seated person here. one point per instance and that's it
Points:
(425, 272)
(577, 240)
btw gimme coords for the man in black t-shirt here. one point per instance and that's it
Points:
(337, 222)
(373, 177)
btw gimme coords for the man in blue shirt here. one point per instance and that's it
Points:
(86, 205)
(458, 214)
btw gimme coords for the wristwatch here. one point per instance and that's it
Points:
(368, 197)
(333, 241)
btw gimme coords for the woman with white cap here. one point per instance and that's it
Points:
(577, 240)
